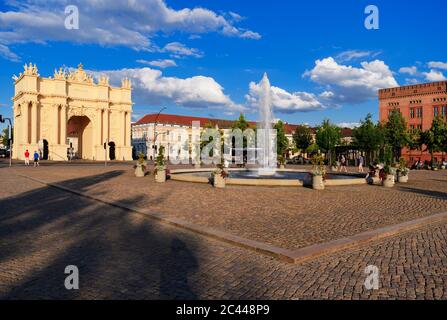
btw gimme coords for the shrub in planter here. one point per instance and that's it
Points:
(281, 162)
(140, 167)
(219, 176)
(402, 172)
(318, 172)
(387, 176)
(160, 167)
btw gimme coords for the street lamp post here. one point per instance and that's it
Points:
(155, 135)
(2, 120)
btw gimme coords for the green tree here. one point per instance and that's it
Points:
(241, 123)
(4, 137)
(302, 138)
(434, 138)
(396, 133)
(368, 137)
(444, 141)
(282, 143)
(327, 138)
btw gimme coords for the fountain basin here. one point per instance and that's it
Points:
(282, 177)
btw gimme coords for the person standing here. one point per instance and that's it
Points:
(361, 160)
(26, 157)
(343, 164)
(36, 159)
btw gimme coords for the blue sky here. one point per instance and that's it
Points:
(206, 57)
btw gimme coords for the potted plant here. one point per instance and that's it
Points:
(281, 161)
(387, 176)
(160, 167)
(318, 172)
(219, 176)
(140, 167)
(402, 172)
(334, 165)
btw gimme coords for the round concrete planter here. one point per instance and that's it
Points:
(282, 167)
(218, 180)
(139, 171)
(443, 167)
(388, 182)
(317, 183)
(402, 179)
(160, 176)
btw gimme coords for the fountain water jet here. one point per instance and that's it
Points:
(266, 139)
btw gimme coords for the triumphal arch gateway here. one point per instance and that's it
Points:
(70, 116)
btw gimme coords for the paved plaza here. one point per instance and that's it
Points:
(123, 254)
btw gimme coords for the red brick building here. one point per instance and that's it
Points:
(419, 105)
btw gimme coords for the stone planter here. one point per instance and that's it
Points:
(334, 169)
(281, 166)
(388, 182)
(197, 166)
(443, 167)
(218, 180)
(160, 176)
(317, 183)
(139, 171)
(402, 178)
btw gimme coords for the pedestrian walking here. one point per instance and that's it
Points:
(361, 161)
(27, 158)
(36, 159)
(343, 164)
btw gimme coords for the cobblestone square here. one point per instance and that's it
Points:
(122, 254)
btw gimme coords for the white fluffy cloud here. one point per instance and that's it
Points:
(285, 101)
(350, 125)
(160, 63)
(109, 23)
(355, 54)
(351, 84)
(151, 87)
(409, 70)
(179, 50)
(434, 75)
(437, 65)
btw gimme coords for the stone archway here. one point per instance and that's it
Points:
(80, 136)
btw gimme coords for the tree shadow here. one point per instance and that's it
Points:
(430, 193)
(120, 255)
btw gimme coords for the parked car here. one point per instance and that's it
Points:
(4, 153)
(298, 160)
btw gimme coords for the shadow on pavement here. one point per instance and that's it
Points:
(430, 193)
(120, 255)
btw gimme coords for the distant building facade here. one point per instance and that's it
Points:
(69, 115)
(419, 105)
(163, 128)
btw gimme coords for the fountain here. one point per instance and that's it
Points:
(265, 173)
(266, 142)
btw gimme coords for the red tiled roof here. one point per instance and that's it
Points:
(187, 121)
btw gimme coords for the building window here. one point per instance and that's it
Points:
(419, 112)
(435, 111)
(444, 111)
(412, 113)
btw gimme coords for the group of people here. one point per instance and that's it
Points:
(342, 164)
(36, 157)
(419, 165)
